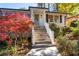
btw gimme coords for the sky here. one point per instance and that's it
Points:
(17, 5)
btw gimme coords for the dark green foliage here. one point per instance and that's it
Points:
(56, 29)
(73, 24)
(67, 38)
(67, 47)
(3, 44)
(76, 32)
(75, 28)
(66, 30)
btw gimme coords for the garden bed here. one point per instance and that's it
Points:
(67, 47)
(21, 49)
(67, 39)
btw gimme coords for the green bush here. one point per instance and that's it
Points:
(66, 30)
(12, 50)
(73, 24)
(75, 31)
(56, 29)
(3, 44)
(67, 47)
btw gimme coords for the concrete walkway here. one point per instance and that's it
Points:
(49, 51)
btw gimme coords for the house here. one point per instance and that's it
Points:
(72, 18)
(40, 15)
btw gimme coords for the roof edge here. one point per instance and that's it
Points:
(15, 9)
(38, 7)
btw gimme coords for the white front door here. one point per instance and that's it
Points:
(39, 19)
(36, 19)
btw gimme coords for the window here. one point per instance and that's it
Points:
(51, 18)
(60, 18)
(56, 17)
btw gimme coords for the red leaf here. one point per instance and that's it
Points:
(3, 36)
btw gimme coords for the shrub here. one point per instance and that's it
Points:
(12, 27)
(22, 25)
(56, 29)
(67, 47)
(66, 30)
(73, 24)
(75, 31)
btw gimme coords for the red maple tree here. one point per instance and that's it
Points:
(14, 23)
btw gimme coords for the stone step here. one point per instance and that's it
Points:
(44, 33)
(41, 36)
(37, 33)
(39, 27)
(42, 45)
(39, 30)
(44, 42)
(42, 39)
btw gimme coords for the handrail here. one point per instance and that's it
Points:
(50, 32)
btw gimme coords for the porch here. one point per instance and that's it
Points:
(38, 16)
(57, 18)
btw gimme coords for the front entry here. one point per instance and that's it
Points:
(36, 19)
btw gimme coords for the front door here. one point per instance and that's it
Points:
(36, 19)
